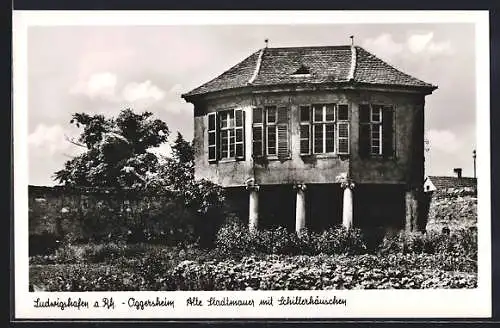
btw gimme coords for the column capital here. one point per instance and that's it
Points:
(253, 187)
(345, 181)
(300, 186)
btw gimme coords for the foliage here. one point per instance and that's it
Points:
(235, 240)
(191, 269)
(113, 144)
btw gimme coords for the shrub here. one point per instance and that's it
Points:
(340, 240)
(235, 240)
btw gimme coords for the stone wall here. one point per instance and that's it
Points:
(83, 214)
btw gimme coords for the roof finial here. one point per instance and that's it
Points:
(352, 40)
(267, 42)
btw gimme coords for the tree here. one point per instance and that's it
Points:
(116, 150)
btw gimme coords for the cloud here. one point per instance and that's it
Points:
(444, 141)
(51, 140)
(162, 150)
(422, 43)
(98, 85)
(146, 90)
(384, 46)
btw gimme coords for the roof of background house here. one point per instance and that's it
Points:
(441, 182)
(327, 64)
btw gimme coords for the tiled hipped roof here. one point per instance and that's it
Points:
(332, 64)
(442, 182)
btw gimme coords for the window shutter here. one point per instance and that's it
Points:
(282, 132)
(239, 130)
(364, 143)
(343, 137)
(364, 140)
(212, 137)
(364, 113)
(258, 132)
(282, 141)
(305, 130)
(388, 131)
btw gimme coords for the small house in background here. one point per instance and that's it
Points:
(314, 137)
(449, 184)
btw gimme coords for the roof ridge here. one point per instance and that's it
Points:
(354, 60)
(257, 67)
(218, 76)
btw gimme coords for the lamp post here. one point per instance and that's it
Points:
(474, 157)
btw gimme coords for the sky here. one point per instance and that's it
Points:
(104, 69)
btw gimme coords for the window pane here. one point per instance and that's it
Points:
(223, 120)
(304, 132)
(238, 117)
(257, 115)
(318, 138)
(211, 138)
(271, 140)
(305, 113)
(318, 113)
(330, 138)
(211, 122)
(343, 146)
(211, 153)
(239, 150)
(304, 146)
(282, 115)
(343, 130)
(271, 114)
(376, 113)
(239, 135)
(364, 113)
(343, 113)
(330, 112)
(375, 131)
(224, 144)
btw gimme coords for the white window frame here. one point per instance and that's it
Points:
(376, 124)
(323, 123)
(274, 126)
(227, 130)
(308, 125)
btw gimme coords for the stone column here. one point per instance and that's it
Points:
(347, 207)
(300, 208)
(253, 211)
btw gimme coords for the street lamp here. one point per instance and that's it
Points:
(474, 157)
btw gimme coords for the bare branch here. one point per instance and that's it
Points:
(72, 141)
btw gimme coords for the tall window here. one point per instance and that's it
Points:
(324, 128)
(226, 135)
(270, 132)
(376, 130)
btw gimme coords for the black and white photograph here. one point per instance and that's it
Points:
(270, 167)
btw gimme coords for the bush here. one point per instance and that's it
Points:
(340, 240)
(235, 240)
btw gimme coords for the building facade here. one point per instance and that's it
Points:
(314, 137)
